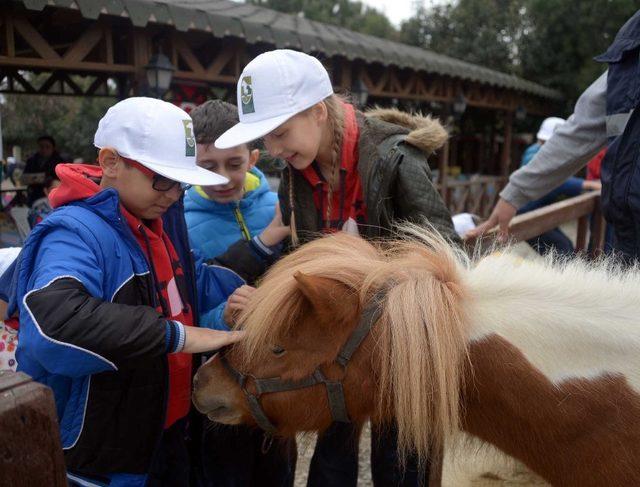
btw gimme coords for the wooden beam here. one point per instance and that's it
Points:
(394, 83)
(409, 88)
(9, 36)
(346, 75)
(34, 39)
(96, 84)
(185, 52)
(28, 87)
(535, 223)
(140, 49)
(62, 65)
(108, 43)
(443, 170)
(84, 44)
(505, 160)
(71, 84)
(48, 83)
(220, 61)
(188, 75)
(581, 236)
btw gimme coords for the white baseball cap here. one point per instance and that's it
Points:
(548, 127)
(272, 88)
(158, 135)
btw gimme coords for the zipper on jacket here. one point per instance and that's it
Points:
(241, 223)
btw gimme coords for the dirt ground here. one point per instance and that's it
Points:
(306, 445)
(468, 469)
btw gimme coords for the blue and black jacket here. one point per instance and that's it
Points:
(89, 329)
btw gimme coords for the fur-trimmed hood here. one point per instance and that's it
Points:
(425, 133)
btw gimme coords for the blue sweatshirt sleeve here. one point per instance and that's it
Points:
(214, 318)
(215, 284)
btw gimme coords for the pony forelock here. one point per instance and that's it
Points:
(420, 338)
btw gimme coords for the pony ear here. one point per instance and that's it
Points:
(319, 291)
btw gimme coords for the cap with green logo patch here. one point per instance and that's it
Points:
(272, 88)
(158, 135)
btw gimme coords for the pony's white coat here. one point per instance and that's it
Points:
(570, 319)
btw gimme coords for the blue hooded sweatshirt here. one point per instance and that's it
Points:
(214, 228)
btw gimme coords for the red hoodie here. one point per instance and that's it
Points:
(79, 182)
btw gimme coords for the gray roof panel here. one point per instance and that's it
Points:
(257, 24)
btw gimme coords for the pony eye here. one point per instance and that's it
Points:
(278, 351)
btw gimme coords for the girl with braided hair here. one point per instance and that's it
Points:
(346, 171)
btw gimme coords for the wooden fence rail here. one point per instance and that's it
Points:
(477, 195)
(584, 208)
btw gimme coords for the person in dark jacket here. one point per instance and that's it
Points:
(237, 224)
(44, 163)
(107, 297)
(347, 171)
(605, 115)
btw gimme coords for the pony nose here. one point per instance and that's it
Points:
(203, 401)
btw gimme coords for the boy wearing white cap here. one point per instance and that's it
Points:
(106, 292)
(347, 171)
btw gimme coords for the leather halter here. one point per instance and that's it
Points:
(335, 391)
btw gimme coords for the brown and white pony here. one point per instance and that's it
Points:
(542, 360)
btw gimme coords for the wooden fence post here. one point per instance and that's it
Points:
(30, 450)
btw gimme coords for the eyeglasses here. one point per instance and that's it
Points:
(159, 183)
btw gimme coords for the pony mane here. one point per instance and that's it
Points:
(276, 305)
(421, 338)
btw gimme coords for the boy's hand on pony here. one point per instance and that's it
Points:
(198, 340)
(236, 303)
(276, 231)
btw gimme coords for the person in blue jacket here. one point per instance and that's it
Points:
(237, 224)
(106, 291)
(546, 130)
(554, 240)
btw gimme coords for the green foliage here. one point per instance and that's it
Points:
(72, 121)
(551, 42)
(564, 36)
(483, 32)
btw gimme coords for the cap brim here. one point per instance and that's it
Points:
(197, 176)
(244, 132)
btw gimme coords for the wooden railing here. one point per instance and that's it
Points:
(477, 195)
(584, 208)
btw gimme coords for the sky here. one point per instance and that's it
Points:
(399, 10)
(395, 10)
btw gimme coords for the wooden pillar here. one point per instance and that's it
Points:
(140, 54)
(505, 160)
(443, 170)
(583, 230)
(346, 76)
